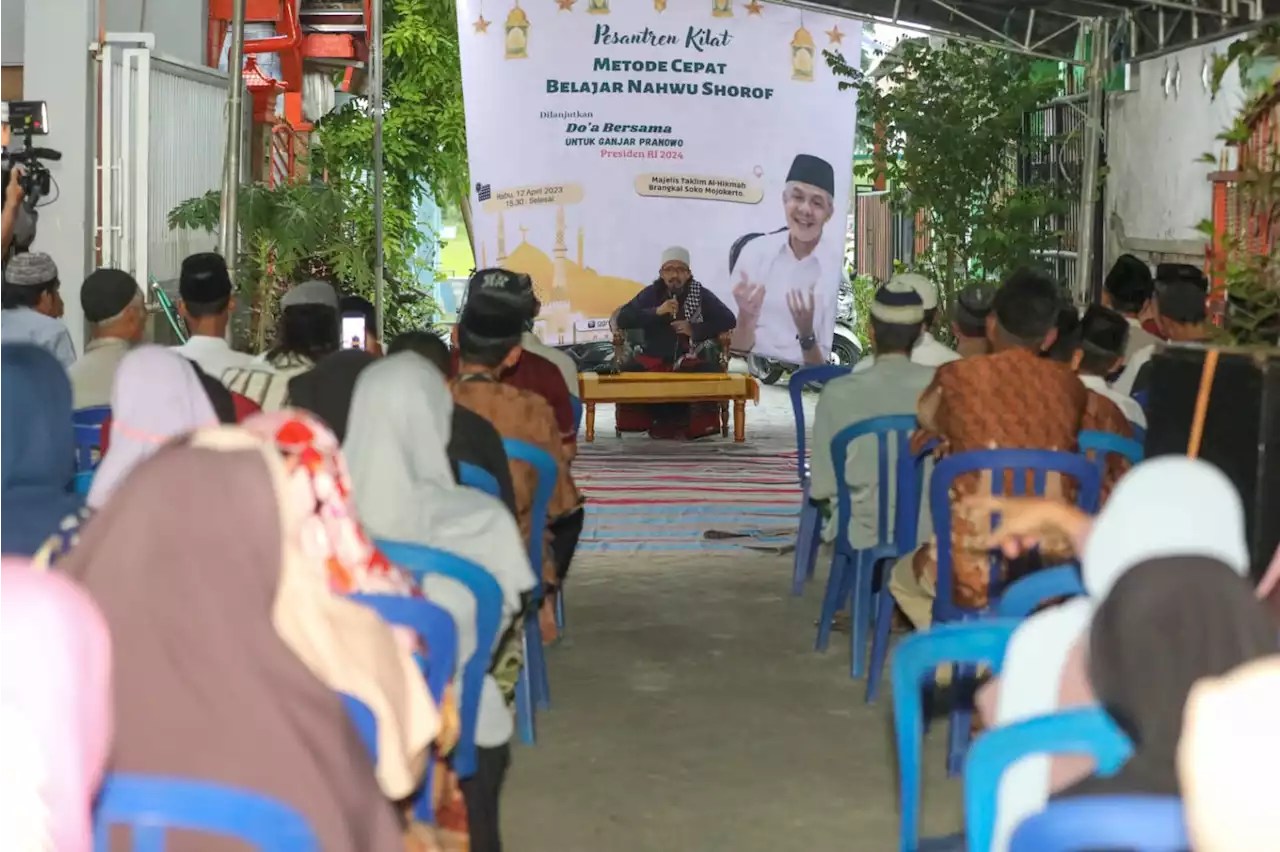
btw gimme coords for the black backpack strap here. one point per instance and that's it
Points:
(740, 243)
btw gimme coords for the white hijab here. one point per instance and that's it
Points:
(1030, 682)
(404, 487)
(1166, 506)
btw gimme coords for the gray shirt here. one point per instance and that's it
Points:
(892, 385)
(23, 325)
(94, 374)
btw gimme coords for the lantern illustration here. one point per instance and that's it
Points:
(722, 8)
(517, 30)
(597, 7)
(802, 50)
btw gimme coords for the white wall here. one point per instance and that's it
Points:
(178, 25)
(1156, 190)
(12, 17)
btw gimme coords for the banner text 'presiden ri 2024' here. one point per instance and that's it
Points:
(600, 132)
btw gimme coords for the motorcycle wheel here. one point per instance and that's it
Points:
(764, 369)
(843, 352)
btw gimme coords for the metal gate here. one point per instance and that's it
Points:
(161, 142)
(1053, 155)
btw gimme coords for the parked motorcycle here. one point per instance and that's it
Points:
(845, 348)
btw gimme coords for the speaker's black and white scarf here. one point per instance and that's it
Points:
(692, 308)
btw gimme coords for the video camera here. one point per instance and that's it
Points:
(30, 118)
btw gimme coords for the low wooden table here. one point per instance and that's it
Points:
(672, 387)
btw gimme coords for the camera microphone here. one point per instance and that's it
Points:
(26, 155)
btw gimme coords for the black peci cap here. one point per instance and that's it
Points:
(107, 292)
(815, 171)
(1104, 331)
(204, 279)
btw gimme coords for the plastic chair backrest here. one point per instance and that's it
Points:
(1021, 598)
(474, 476)
(366, 724)
(905, 478)
(432, 623)
(1021, 464)
(545, 465)
(816, 374)
(88, 445)
(576, 404)
(419, 561)
(1135, 822)
(151, 805)
(1103, 444)
(1088, 731)
(916, 658)
(94, 415)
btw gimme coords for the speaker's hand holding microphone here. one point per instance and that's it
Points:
(669, 308)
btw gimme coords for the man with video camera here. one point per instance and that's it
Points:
(13, 196)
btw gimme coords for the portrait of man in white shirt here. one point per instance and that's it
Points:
(785, 282)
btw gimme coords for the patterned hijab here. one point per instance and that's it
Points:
(55, 710)
(317, 477)
(156, 397)
(38, 445)
(215, 579)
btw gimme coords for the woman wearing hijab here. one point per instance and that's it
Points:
(55, 711)
(405, 491)
(272, 647)
(1227, 759)
(38, 445)
(319, 482)
(326, 392)
(1165, 624)
(156, 397)
(1165, 507)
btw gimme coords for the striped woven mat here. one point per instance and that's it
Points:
(671, 496)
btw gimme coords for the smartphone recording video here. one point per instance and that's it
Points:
(353, 331)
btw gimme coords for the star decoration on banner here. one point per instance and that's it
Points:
(566, 5)
(835, 35)
(753, 8)
(481, 25)
(659, 5)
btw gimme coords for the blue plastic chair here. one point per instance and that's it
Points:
(94, 415)
(915, 660)
(576, 403)
(533, 689)
(432, 623)
(1088, 731)
(808, 534)
(435, 626)
(88, 446)
(366, 724)
(1139, 823)
(1103, 444)
(474, 476)
(83, 482)
(151, 805)
(420, 561)
(1021, 598)
(1021, 465)
(852, 570)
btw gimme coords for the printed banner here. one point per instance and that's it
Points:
(602, 132)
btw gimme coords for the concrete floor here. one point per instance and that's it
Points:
(690, 712)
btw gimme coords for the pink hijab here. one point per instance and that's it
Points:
(157, 396)
(56, 710)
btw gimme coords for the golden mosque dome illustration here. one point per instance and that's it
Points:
(517, 18)
(802, 38)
